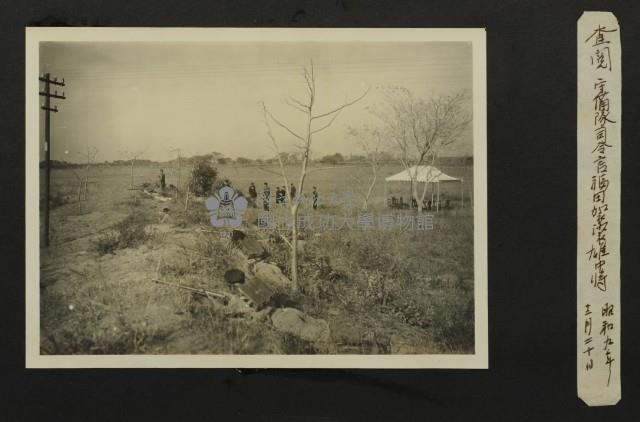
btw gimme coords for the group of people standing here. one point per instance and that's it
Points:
(280, 195)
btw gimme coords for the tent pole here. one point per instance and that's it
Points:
(432, 191)
(438, 199)
(385, 190)
(462, 192)
(411, 193)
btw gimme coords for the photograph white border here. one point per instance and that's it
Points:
(33, 358)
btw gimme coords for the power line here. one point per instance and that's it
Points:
(219, 70)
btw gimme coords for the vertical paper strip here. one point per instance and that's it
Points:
(599, 149)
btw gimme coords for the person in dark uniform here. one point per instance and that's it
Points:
(253, 194)
(292, 192)
(315, 198)
(266, 197)
(163, 182)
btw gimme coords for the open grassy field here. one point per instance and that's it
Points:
(327, 179)
(379, 291)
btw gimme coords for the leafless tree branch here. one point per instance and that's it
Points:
(295, 106)
(299, 103)
(338, 109)
(277, 122)
(320, 129)
(275, 144)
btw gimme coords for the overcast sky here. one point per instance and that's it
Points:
(204, 97)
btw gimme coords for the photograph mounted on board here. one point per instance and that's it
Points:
(256, 198)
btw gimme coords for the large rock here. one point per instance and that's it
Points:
(252, 248)
(234, 276)
(257, 291)
(271, 274)
(292, 321)
(237, 235)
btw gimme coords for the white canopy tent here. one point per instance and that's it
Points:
(426, 174)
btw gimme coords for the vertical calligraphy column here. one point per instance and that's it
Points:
(599, 164)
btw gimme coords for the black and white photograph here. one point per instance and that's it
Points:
(256, 198)
(320, 211)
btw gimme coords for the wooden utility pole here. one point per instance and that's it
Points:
(46, 78)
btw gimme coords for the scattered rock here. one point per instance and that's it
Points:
(257, 291)
(252, 248)
(237, 307)
(234, 276)
(237, 235)
(271, 274)
(263, 315)
(282, 300)
(292, 321)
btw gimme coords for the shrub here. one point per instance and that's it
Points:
(203, 177)
(106, 243)
(196, 214)
(334, 159)
(214, 251)
(375, 252)
(453, 321)
(130, 232)
(409, 311)
(220, 182)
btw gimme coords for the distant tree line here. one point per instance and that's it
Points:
(57, 164)
(287, 158)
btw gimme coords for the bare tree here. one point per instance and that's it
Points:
(188, 195)
(90, 156)
(419, 129)
(133, 156)
(83, 180)
(178, 151)
(315, 122)
(371, 141)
